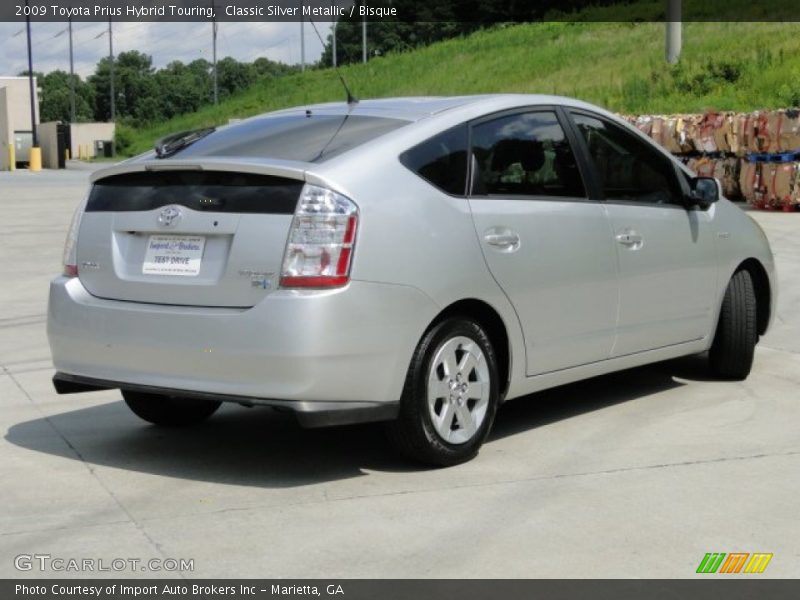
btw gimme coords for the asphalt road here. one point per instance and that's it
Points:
(636, 474)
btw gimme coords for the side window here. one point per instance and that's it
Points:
(627, 168)
(524, 155)
(441, 160)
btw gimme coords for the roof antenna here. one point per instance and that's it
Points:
(350, 98)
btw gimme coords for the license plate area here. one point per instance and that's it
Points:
(174, 255)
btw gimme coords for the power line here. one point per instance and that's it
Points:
(86, 35)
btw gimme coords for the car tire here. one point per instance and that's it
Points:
(731, 354)
(452, 378)
(169, 410)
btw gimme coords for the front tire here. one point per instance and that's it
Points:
(450, 396)
(169, 410)
(731, 354)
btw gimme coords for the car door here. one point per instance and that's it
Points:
(667, 262)
(548, 246)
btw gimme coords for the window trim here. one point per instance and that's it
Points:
(597, 191)
(520, 110)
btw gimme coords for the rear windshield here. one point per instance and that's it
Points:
(306, 138)
(213, 191)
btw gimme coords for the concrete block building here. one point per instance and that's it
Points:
(16, 128)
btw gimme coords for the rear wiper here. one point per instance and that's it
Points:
(172, 144)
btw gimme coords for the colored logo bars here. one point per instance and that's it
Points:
(736, 562)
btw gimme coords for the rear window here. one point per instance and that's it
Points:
(306, 138)
(212, 191)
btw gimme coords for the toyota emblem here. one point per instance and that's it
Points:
(170, 216)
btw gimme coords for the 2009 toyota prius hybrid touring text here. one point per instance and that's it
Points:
(414, 260)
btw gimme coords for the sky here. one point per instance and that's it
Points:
(165, 42)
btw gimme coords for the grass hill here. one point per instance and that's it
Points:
(724, 66)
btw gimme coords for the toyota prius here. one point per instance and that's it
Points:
(415, 261)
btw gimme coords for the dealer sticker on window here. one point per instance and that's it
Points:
(174, 255)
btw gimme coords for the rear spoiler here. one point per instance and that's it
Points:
(276, 168)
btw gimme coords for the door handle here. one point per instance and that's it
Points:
(629, 238)
(502, 240)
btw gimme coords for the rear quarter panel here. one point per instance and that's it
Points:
(412, 234)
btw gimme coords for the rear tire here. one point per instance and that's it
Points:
(450, 396)
(169, 410)
(731, 354)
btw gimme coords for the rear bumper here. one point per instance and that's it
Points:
(309, 414)
(295, 349)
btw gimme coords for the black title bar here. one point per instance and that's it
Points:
(483, 11)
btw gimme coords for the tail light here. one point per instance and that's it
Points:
(320, 247)
(71, 244)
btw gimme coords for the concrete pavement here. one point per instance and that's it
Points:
(636, 474)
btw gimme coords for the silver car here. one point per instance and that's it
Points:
(415, 260)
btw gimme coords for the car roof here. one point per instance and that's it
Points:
(404, 108)
(415, 108)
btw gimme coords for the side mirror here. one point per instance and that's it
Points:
(704, 191)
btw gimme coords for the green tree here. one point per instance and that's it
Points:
(100, 81)
(263, 68)
(54, 104)
(54, 97)
(201, 70)
(181, 88)
(233, 76)
(145, 95)
(133, 82)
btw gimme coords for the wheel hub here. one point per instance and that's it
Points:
(458, 390)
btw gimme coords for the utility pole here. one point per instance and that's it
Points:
(302, 44)
(113, 74)
(364, 39)
(335, 23)
(214, 32)
(333, 48)
(673, 31)
(35, 156)
(72, 111)
(30, 81)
